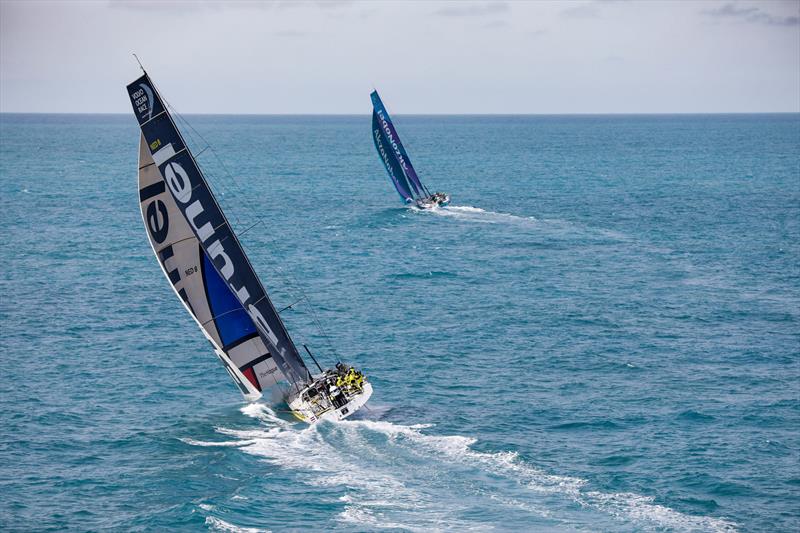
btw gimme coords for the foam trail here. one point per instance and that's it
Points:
(476, 214)
(625, 505)
(561, 229)
(398, 477)
(235, 443)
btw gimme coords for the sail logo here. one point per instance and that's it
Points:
(158, 221)
(385, 157)
(391, 140)
(179, 184)
(141, 100)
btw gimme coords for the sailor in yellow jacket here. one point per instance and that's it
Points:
(355, 378)
(352, 379)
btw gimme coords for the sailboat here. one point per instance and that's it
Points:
(202, 258)
(395, 159)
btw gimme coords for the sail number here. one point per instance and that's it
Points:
(191, 270)
(155, 144)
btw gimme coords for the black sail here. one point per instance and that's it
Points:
(188, 188)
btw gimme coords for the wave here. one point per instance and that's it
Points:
(400, 477)
(217, 524)
(425, 275)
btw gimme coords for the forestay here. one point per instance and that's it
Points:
(393, 153)
(202, 258)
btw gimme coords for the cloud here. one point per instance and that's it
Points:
(472, 10)
(582, 11)
(752, 15)
(179, 6)
(218, 5)
(290, 33)
(495, 24)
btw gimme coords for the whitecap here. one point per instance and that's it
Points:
(217, 524)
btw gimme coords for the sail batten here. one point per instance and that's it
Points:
(202, 257)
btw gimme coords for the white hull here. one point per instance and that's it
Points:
(322, 408)
(434, 201)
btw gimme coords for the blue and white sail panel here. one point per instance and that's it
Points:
(389, 160)
(393, 138)
(203, 292)
(197, 206)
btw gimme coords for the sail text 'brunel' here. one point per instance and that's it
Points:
(209, 271)
(193, 199)
(179, 184)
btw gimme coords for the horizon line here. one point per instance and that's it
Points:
(425, 114)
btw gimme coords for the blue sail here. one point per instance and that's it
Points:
(387, 156)
(385, 121)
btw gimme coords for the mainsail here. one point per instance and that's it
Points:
(393, 153)
(202, 258)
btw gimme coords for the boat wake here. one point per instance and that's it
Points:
(550, 227)
(392, 476)
(476, 214)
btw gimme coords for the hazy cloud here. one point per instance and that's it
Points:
(751, 14)
(290, 33)
(186, 7)
(495, 24)
(472, 9)
(582, 11)
(307, 57)
(218, 5)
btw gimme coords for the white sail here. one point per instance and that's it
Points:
(208, 299)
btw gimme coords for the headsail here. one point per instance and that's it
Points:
(396, 148)
(201, 255)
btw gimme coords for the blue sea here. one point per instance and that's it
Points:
(601, 333)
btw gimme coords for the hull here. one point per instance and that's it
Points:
(323, 406)
(433, 201)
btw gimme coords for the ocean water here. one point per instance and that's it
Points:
(602, 333)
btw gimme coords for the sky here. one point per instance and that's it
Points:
(324, 57)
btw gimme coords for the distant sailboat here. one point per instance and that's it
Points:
(209, 271)
(395, 159)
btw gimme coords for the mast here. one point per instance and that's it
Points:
(196, 203)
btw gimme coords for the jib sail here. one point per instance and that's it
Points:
(394, 145)
(202, 258)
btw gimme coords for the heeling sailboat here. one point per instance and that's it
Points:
(396, 161)
(208, 269)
